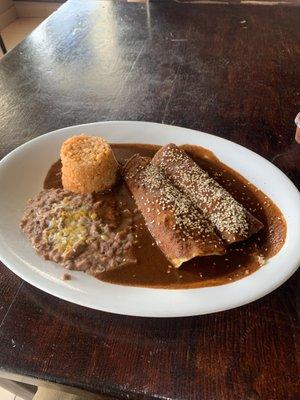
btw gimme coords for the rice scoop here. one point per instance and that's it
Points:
(88, 164)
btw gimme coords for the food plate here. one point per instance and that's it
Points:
(21, 176)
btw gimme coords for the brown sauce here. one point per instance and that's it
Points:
(153, 269)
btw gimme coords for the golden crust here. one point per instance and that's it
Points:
(88, 164)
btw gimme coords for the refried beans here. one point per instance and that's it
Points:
(67, 228)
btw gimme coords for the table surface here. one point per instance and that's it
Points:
(229, 70)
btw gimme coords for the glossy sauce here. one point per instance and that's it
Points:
(154, 270)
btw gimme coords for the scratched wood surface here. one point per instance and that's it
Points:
(231, 71)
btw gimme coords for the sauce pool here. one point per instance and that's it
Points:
(153, 269)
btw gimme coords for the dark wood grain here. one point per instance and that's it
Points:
(190, 65)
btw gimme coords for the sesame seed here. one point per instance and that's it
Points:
(216, 204)
(179, 214)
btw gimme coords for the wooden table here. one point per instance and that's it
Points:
(229, 70)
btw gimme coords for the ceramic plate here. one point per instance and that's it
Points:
(21, 176)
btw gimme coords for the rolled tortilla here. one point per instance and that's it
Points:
(179, 229)
(231, 220)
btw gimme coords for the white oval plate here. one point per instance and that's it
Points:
(21, 176)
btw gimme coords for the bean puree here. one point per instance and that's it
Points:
(79, 232)
(152, 269)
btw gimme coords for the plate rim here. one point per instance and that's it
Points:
(248, 299)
